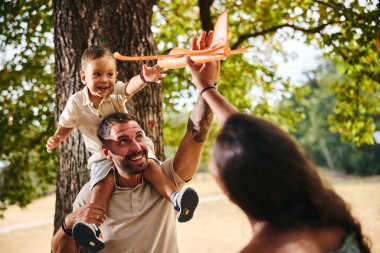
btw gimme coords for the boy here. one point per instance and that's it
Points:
(101, 96)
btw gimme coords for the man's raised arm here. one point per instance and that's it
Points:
(189, 152)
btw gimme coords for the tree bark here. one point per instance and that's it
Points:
(123, 26)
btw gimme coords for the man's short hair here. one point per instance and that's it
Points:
(114, 118)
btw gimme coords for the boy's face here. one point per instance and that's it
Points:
(100, 76)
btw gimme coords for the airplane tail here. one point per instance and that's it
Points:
(221, 33)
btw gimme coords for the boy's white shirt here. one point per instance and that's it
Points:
(80, 113)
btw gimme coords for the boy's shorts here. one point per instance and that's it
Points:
(101, 168)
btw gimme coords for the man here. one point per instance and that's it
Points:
(139, 219)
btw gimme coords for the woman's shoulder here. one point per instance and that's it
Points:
(286, 247)
(295, 241)
(349, 244)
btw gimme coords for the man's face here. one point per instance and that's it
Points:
(127, 148)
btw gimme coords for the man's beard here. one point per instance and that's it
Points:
(133, 169)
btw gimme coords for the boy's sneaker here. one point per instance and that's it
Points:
(185, 203)
(88, 236)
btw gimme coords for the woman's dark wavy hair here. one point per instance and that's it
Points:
(271, 180)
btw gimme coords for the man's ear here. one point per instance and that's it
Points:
(83, 77)
(106, 152)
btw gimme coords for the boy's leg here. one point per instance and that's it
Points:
(154, 175)
(163, 185)
(102, 191)
(184, 202)
(102, 183)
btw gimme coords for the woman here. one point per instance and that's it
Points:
(260, 168)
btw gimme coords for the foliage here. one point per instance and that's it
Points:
(26, 102)
(347, 32)
(325, 147)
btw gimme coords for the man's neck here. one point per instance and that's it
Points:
(126, 180)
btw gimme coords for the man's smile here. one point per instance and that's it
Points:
(136, 156)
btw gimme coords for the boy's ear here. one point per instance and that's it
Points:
(83, 76)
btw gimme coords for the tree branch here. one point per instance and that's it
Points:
(342, 9)
(273, 29)
(205, 14)
(329, 4)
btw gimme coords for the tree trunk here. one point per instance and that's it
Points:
(122, 26)
(205, 14)
(327, 155)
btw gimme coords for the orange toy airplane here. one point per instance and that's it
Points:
(218, 50)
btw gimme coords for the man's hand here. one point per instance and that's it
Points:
(203, 74)
(90, 213)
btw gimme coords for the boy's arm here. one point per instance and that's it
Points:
(60, 135)
(148, 75)
(134, 85)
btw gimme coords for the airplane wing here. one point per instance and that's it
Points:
(175, 58)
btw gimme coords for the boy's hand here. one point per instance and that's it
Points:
(153, 74)
(53, 142)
